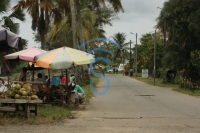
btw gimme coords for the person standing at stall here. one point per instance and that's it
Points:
(22, 76)
(42, 83)
(63, 80)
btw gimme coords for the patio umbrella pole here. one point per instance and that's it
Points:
(49, 77)
(33, 72)
(8, 79)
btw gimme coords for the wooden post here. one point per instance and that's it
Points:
(36, 109)
(33, 71)
(49, 81)
(27, 110)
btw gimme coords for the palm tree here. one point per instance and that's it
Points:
(4, 5)
(89, 31)
(41, 11)
(120, 38)
(7, 21)
(73, 22)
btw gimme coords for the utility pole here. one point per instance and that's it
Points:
(135, 59)
(136, 56)
(130, 55)
(154, 67)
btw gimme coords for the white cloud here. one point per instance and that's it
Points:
(139, 17)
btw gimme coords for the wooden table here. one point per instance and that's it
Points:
(16, 102)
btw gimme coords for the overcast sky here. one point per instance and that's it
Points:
(139, 17)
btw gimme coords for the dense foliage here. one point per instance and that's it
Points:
(7, 21)
(183, 28)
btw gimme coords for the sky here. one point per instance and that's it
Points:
(139, 17)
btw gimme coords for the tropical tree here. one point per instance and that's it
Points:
(4, 6)
(181, 18)
(41, 12)
(145, 51)
(123, 51)
(7, 20)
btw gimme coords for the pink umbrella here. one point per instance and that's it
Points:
(27, 54)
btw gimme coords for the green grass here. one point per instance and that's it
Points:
(47, 114)
(86, 87)
(175, 87)
(189, 92)
(158, 82)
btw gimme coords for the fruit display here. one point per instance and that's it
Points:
(52, 90)
(21, 91)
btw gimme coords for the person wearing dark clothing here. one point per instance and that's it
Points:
(113, 70)
(131, 72)
(22, 76)
(116, 70)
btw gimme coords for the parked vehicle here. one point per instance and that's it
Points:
(120, 68)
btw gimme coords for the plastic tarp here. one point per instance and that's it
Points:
(8, 40)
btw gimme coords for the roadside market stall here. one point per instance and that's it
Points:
(62, 58)
(25, 55)
(23, 93)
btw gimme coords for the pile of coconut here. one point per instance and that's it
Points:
(20, 91)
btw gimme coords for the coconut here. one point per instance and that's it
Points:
(8, 93)
(22, 89)
(34, 97)
(20, 83)
(24, 93)
(2, 95)
(17, 96)
(18, 86)
(27, 87)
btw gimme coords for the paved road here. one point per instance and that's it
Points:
(130, 107)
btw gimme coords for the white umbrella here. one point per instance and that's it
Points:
(63, 58)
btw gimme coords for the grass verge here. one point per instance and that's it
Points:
(175, 87)
(158, 82)
(86, 87)
(47, 114)
(189, 92)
